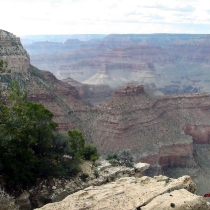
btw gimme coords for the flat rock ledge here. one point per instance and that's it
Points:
(55, 190)
(134, 193)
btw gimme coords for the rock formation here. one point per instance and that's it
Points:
(96, 94)
(175, 63)
(13, 52)
(131, 193)
(191, 50)
(133, 119)
(54, 190)
(103, 78)
(42, 86)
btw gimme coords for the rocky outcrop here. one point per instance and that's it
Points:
(96, 94)
(104, 78)
(13, 52)
(199, 133)
(60, 98)
(130, 90)
(136, 193)
(53, 190)
(174, 155)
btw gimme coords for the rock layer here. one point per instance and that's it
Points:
(148, 125)
(96, 94)
(136, 193)
(13, 52)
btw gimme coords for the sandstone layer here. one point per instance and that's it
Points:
(136, 193)
(96, 94)
(13, 52)
(148, 125)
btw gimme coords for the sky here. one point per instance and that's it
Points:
(37, 17)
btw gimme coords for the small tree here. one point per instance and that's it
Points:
(125, 157)
(90, 152)
(76, 142)
(26, 132)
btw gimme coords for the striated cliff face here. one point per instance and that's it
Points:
(157, 129)
(191, 50)
(96, 94)
(60, 98)
(13, 52)
(42, 86)
(199, 133)
(175, 63)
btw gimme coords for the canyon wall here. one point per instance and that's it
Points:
(154, 128)
(174, 63)
(13, 52)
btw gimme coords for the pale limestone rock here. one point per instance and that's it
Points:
(104, 164)
(135, 193)
(140, 167)
(179, 200)
(107, 173)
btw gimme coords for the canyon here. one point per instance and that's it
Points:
(174, 63)
(169, 132)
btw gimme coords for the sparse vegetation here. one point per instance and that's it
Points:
(90, 152)
(4, 67)
(84, 176)
(123, 157)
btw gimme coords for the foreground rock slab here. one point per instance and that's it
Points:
(178, 199)
(132, 193)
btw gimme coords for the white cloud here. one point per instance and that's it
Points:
(104, 16)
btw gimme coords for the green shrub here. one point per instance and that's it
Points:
(125, 158)
(113, 162)
(90, 152)
(84, 177)
(114, 156)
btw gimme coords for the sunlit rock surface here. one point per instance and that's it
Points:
(136, 193)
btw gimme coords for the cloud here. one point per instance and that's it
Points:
(104, 16)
